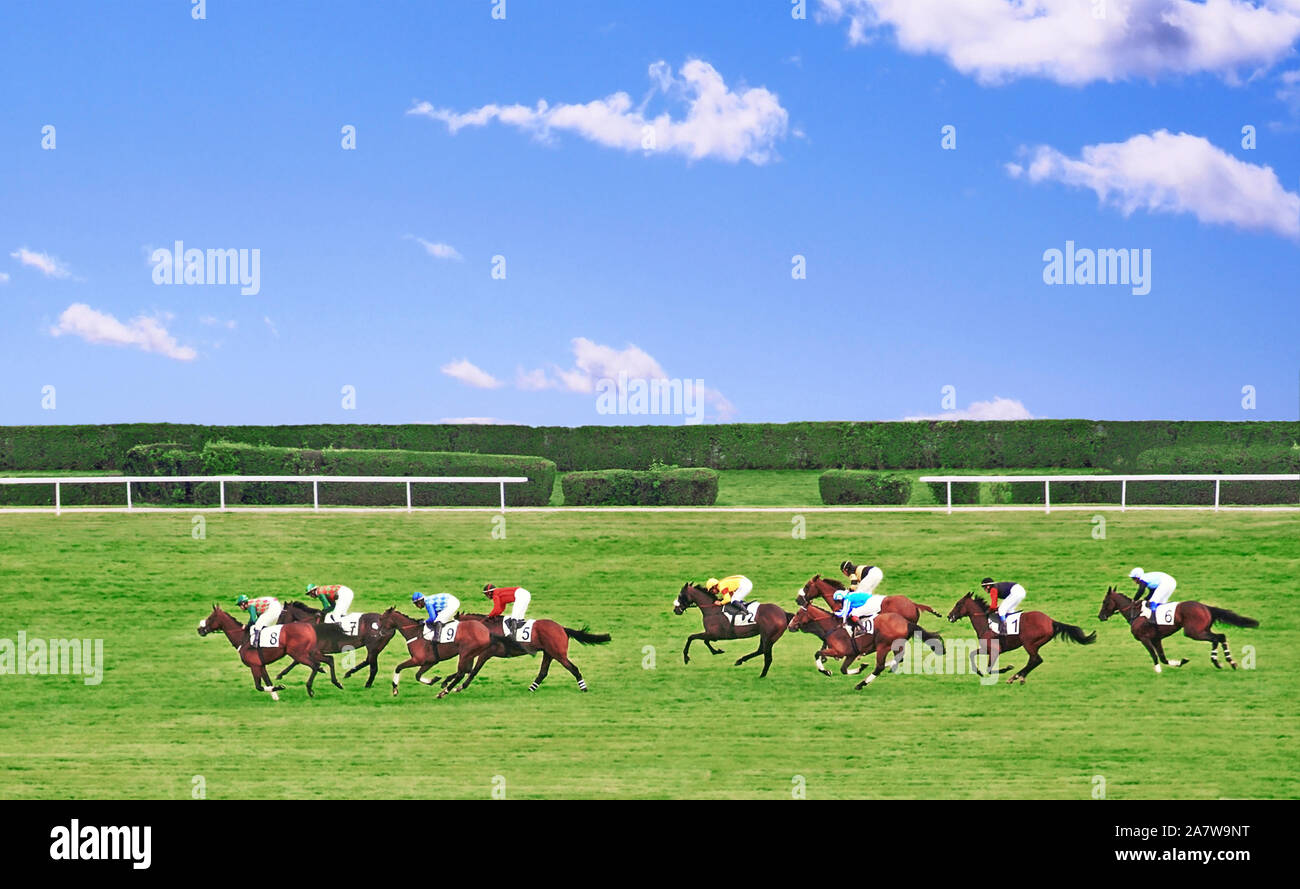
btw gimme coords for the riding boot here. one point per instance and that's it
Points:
(508, 625)
(437, 631)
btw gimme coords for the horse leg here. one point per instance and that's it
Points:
(819, 660)
(329, 662)
(844, 667)
(766, 648)
(420, 673)
(880, 667)
(463, 666)
(1226, 653)
(686, 652)
(1031, 649)
(709, 646)
(409, 662)
(281, 674)
(762, 643)
(1209, 636)
(541, 674)
(572, 668)
(1160, 650)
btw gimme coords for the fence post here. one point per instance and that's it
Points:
(222, 485)
(503, 497)
(128, 494)
(950, 497)
(408, 496)
(1047, 497)
(58, 508)
(1123, 495)
(1216, 495)
(315, 494)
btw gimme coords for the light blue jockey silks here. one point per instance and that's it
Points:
(436, 604)
(851, 601)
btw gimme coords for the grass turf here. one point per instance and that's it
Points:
(173, 706)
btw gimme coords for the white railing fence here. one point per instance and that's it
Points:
(1122, 480)
(220, 480)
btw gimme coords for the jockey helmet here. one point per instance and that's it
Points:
(488, 588)
(1137, 574)
(988, 581)
(311, 588)
(416, 598)
(711, 584)
(846, 566)
(241, 600)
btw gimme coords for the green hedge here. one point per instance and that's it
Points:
(850, 486)
(987, 445)
(626, 487)
(1193, 459)
(962, 492)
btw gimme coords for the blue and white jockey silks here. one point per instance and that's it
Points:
(857, 604)
(1159, 585)
(442, 607)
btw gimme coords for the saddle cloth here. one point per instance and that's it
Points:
(524, 632)
(1013, 623)
(349, 623)
(1164, 613)
(267, 637)
(743, 620)
(865, 625)
(447, 634)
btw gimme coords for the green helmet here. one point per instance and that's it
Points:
(241, 600)
(311, 587)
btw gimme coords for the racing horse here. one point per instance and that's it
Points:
(298, 641)
(1036, 630)
(837, 642)
(1194, 618)
(548, 636)
(332, 639)
(827, 588)
(471, 640)
(769, 623)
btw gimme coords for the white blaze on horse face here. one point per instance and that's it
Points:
(203, 624)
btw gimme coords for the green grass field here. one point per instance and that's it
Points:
(173, 706)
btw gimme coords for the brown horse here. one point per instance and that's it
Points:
(769, 624)
(1194, 618)
(890, 633)
(1036, 630)
(471, 640)
(298, 641)
(827, 588)
(548, 637)
(331, 639)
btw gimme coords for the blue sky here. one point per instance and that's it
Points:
(774, 137)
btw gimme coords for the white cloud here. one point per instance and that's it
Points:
(720, 123)
(1167, 173)
(438, 250)
(997, 409)
(1000, 40)
(470, 375)
(44, 263)
(472, 421)
(4, 277)
(211, 321)
(533, 380)
(143, 332)
(593, 362)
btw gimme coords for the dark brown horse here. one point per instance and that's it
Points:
(1193, 618)
(1036, 630)
(890, 633)
(769, 624)
(827, 588)
(331, 638)
(298, 641)
(548, 637)
(471, 640)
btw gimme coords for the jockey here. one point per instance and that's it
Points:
(334, 600)
(264, 611)
(1013, 594)
(862, 577)
(1155, 585)
(506, 595)
(731, 592)
(442, 608)
(856, 604)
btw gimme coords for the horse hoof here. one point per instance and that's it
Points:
(737, 663)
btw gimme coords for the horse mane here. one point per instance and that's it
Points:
(983, 603)
(833, 583)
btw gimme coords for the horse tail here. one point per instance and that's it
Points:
(585, 636)
(921, 607)
(926, 636)
(1223, 615)
(1071, 633)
